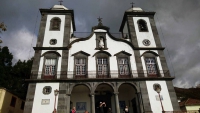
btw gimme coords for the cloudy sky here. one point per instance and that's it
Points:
(178, 24)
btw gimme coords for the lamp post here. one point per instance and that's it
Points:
(158, 89)
(55, 93)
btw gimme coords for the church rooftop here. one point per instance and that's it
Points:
(59, 7)
(135, 9)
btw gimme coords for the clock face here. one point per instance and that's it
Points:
(146, 42)
(53, 41)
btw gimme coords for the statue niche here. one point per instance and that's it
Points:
(101, 43)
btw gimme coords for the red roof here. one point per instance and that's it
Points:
(190, 102)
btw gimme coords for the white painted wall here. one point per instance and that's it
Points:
(155, 104)
(144, 35)
(54, 34)
(37, 106)
(89, 46)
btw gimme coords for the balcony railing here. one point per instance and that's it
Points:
(189, 111)
(94, 74)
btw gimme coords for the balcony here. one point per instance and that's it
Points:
(95, 75)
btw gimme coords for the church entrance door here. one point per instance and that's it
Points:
(103, 93)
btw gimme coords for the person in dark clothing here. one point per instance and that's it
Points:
(109, 110)
(126, 110)
(101, 107)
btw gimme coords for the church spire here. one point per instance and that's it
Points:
(100, 21)
(60, 2)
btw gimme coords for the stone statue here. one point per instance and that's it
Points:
(101, 43)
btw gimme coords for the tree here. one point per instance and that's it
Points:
(20, 72)
(13, 77)
(2, 27)
(5, 66)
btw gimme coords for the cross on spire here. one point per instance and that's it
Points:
(60, 2)
(132, 4)
(99, 19)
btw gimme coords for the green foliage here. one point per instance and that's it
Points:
(13, 77)
(2, 27)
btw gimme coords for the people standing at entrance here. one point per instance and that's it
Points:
(126, 110)
(86, 111)
(73, 110)
(109, 110)
(101, 107)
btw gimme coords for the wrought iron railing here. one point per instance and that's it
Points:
(189, 111)
(94, 74)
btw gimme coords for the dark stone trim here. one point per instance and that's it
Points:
(50, 48)
(41, 31)
(150, 52)
(58, 54)
(30, 98)
(131, 30)
(145, 96)
(64, 63)
(151, 48)
(105, 52)
(123, 52)
(81, 52)
(59, 12)
(62, 100)
(163, 62)
(138, 63)
(172, 95)
(134, 14)
(155, 32)
(36, 62)
(100, 79)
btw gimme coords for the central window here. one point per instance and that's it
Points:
(123, 66)
(80, 66)
(151, 66)
(50, 66)
(102, 66)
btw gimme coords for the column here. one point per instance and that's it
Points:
(139, 102)
(92, 102)
(68, 103)
(117, 102)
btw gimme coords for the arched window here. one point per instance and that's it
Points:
(55, 23)
(80, 64)
(151, 64)
(102, 64)
(50, 64)
(142, 25)
(123, 61)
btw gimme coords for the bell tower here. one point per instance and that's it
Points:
(138, 27)
(51, 57)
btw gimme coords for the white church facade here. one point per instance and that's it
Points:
(127, 71)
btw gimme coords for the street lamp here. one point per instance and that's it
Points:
(158, 89)
(55, 93)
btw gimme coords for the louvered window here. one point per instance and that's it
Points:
(80, 66)
(50, 66)
(123, 66)
(102, 66)
(151, 66)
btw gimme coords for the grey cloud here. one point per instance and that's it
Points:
(177, 22)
